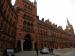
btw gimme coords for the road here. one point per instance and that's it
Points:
(31, 53)
(65, 52)
(57, 52)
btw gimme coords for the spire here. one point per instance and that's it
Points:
(35, 4)
(34, 0)
(69, 27)
(68, 22)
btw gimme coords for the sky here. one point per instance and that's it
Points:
(57, 11)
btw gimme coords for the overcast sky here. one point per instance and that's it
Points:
(57, 11)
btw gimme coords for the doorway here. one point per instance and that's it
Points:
(27, 45)
(18, 45)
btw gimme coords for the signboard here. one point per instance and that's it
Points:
(10, 50)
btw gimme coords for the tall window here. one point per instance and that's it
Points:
(1, 26)
(27, 24)
(27, 10)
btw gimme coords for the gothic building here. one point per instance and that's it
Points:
(26, 26)
(21, 28)
(31, 30)
(8, 22)
(51, 36)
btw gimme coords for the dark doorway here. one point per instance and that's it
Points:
(27, 45)
(18, 46)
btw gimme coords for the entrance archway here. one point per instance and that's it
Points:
(27, 45)
(18, 45)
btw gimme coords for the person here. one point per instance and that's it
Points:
(51, 50)
(37, 51)
(5, 53)
(36, 48)
(12, 55)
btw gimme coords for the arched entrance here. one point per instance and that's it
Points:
(18, 45)
(27, 44)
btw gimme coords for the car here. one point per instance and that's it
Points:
(45, 50)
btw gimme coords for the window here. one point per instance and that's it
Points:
(4, 25)
(24, 22)
(27, 24)
(28, 18)
(28, 10)
(7, 28)
(13, 31)
(1, 26)
(0, 43)
(17, 9)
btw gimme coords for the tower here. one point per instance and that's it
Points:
(69, 28)
(35, 3)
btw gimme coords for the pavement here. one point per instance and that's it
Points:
(57, 52)
(26, 53)
(31, 53)
(65, 52)
(71, 53)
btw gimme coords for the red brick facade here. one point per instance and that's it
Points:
(44, 33)
(8, 22)
(26, 25)
(51, 36)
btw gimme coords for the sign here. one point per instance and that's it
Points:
(10, 50)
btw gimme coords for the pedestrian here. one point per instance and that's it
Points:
(36, 48)
(51, 50)
(37, 51)
(12, 55)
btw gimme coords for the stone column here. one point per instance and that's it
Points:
(22, 45)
